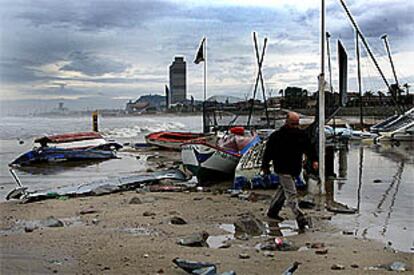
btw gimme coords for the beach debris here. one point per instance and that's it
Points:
(354, 266)
(195, 240)
(292, 268)
(210, 270)
(269, 254)
(317, 245)
(250, 225)
(30, 228)
(394, 266)
(95, 221)
(177, 220)
(303, 248)
(52, 222)
(377, 181)
(88, 211)
(397, 266)
(101, 187)
(135, 200)
(224, 245)
(166, 188)
(307, 202)
(244, 256)
(148, 214)
(277, 244)
(323, 251)
(348, 232)
(242, 237)
(190, 266)
(337, 267)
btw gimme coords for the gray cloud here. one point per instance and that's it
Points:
(92, 65)
(100, 37)
(95, 14)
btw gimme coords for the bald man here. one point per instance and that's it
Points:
(286, 148)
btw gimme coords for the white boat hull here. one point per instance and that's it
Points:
(203, 159)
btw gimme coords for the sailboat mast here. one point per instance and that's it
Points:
(363, 40)
(387, 47)
(361, 119)
(321, 99)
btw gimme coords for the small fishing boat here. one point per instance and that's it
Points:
(68, 147)
(174, 140)
(217, 160)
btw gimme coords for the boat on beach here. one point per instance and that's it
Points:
(218, 160)
(174, 140)
(68, 147)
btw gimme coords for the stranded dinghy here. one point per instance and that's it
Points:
(217, 160)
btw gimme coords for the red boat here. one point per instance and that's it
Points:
(174, 140)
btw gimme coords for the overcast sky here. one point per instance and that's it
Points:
(111, 51)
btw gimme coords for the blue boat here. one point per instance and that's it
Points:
(69, 147)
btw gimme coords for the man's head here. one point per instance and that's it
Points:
(292, 119)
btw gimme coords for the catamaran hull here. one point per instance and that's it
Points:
(206, 161)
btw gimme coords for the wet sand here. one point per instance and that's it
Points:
(122, 238)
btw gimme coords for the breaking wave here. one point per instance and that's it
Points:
(136, 131)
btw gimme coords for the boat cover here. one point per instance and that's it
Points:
(101, 187)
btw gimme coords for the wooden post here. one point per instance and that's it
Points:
(95, 121)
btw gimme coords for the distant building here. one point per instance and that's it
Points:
(146, 103)
(178, 81)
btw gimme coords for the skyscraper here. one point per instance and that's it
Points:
(178, 80)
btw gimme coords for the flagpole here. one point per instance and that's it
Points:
(322, 105)
(205, 68)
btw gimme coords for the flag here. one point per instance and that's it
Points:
(200, 53)
(343, 73)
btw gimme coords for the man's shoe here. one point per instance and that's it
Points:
(275, 217)
(302, 223)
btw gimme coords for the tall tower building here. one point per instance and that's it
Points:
(178, 80)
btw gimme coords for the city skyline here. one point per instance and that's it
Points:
(107, 52)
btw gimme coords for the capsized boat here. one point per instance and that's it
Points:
(174, 140)
(69, 147)
(217, 160)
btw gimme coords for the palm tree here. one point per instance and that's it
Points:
(407, 88)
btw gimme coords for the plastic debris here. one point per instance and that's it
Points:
(291, 268)
(194, 240)
(337, 267)
(190, 266)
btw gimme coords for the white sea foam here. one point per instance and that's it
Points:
(135, 131)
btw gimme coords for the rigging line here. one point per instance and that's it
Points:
(374, 86)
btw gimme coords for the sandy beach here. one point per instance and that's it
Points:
(110, 235)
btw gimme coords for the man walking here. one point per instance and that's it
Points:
(285, 148)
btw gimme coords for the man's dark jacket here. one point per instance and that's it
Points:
(286, 148)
